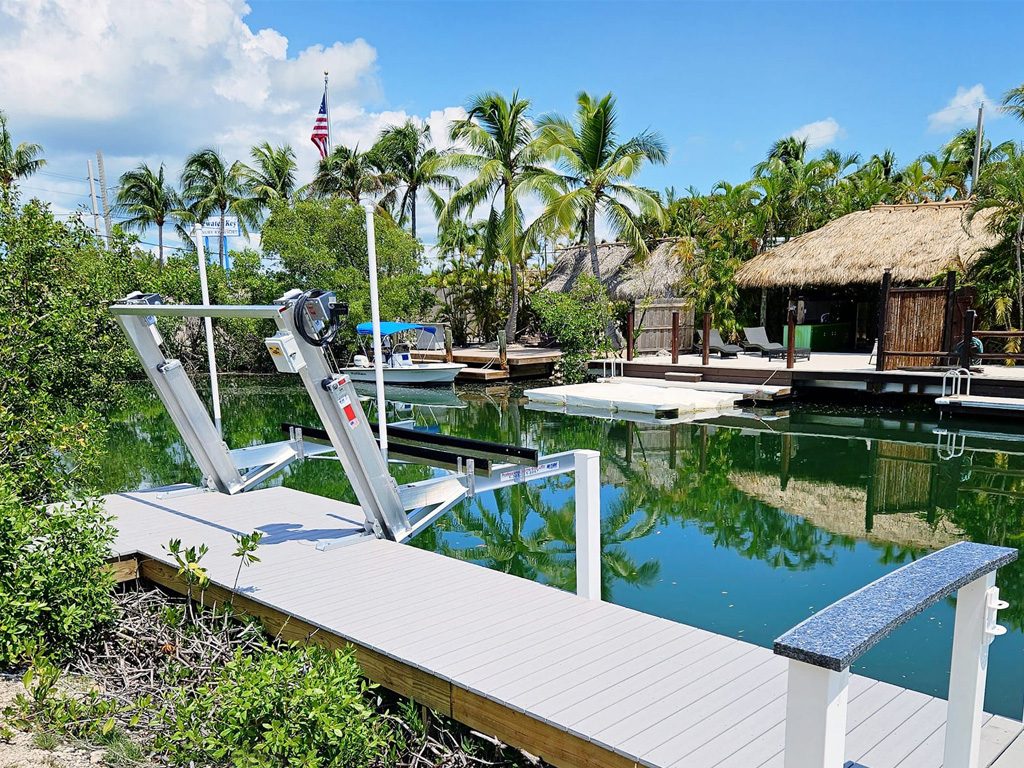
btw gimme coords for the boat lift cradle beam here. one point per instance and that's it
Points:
(386, 505)
(336, 402)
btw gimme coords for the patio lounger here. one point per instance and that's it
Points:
(756, 339)
(716, 344)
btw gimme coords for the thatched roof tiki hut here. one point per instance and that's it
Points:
(834, 273)
(654, 284)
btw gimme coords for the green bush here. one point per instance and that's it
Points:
(301, 706)
(62, 358)
(577, 320)
(54, 588)
(322, 244)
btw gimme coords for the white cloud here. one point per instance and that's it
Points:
(962, 110)
(820, 133)
(151, 81)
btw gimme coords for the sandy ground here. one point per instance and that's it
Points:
(20, 753)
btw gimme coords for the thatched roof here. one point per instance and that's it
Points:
(839, 509)
(625, 276)
(918, 242)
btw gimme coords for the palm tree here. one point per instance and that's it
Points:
(886, 164)
(503, 152)
(596, 173)
(16, 162)
(961, 150)
(210, 185)
(271, 177)
(1001, 189)
(787, 150)
(405, 152)
(915, 185)
(1013, 102)
(348, 173)
(145, 197)
(945, 175)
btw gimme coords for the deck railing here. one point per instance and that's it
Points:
(822, 648)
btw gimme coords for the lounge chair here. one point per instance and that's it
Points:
(756, 340)
(716, 344)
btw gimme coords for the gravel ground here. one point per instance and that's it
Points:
(20, 753)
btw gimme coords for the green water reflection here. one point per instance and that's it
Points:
(743, 525)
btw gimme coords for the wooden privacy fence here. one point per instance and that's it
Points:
(655, 332)
(916, 325)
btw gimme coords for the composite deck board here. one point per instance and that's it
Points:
(650, 690)
(1012, 755)
(644, 689)
(759, 732)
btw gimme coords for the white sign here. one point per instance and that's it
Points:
(211, 227)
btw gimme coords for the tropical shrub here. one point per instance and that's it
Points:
(577, 320)
(62, 358)
(54, 588)
(299, 706)
(322, 244)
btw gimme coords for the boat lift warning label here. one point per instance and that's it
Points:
(348, 410)
(525, 473)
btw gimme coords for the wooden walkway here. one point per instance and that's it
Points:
(484, 363)
(581, 683)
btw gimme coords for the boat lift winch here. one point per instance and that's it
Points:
(306, 322)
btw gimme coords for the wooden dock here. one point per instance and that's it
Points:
(484, 364)
(997, 381)
(578, 682)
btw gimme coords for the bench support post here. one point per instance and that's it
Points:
(816, 702)
(588, 524)
(967, 673)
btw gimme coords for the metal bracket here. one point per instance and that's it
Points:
(992, 607)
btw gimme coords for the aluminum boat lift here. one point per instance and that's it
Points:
(393, 512)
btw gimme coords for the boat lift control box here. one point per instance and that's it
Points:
(284, 352)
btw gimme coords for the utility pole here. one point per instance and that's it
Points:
(977, 148)
(92, 199)
(103, 193)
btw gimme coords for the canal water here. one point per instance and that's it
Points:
(743, 525)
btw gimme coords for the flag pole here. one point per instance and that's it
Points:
(327, 102)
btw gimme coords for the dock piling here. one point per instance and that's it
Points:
(588, 524)
(966, 348)
(791, 341)
(629, 334)
(675, 337)
(705, 347)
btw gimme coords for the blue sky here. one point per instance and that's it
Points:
(148, 82)
(720, 81)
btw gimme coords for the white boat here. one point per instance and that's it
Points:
(399, 367)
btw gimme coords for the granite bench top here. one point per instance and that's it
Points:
(839, 634)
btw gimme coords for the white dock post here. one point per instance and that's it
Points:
(967, 673)
(588, 524)
(378, 354)
(816, 702)
(211, 355)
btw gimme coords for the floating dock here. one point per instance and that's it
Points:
(655, 399)
(979, 405)
(579, 682)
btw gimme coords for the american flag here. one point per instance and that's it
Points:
(321, 132)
